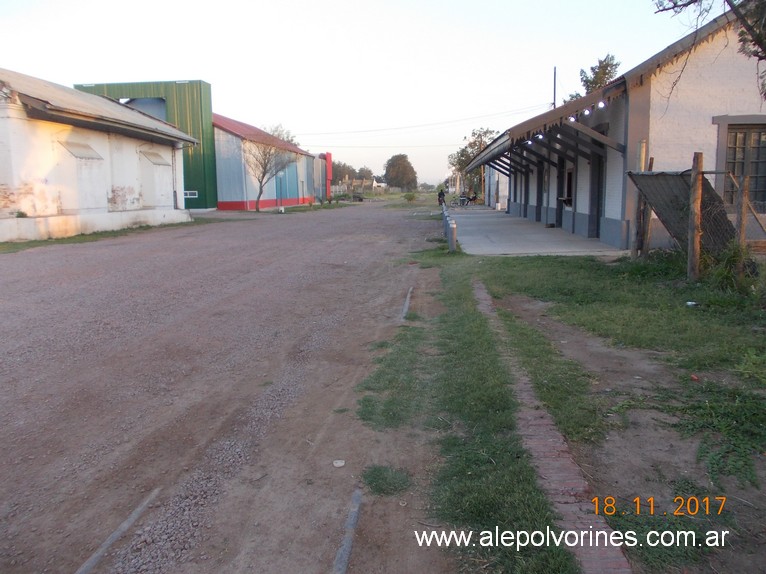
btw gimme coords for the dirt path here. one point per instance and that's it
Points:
(208, 372)
(643, 456)
(213, 365)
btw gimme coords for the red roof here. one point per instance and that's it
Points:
(251, 133)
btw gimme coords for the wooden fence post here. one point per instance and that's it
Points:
(647, 219)
(638, 238)
(742, 202)
(695, 219)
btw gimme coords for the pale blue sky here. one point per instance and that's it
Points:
(363, 79)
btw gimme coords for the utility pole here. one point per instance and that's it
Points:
(554, 87)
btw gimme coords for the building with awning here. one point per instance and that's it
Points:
(568, 167)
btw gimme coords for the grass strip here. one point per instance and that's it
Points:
(641, 304)
(562, 385)
(393, 392)
(16, 246)
(384, 480)
(487, 480)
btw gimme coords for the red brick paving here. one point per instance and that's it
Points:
(560, 477)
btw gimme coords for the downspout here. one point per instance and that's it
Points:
(625, 168)
(175, 181)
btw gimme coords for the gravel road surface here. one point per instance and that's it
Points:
(202, 378)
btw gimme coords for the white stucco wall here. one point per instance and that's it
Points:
(71, 180)
(496, 189)
(715, 80)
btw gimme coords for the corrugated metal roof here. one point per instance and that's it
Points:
(67, 105)
(251, 133)
(557, 116)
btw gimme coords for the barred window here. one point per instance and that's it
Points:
(746, 155)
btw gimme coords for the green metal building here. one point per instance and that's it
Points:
(188, 105)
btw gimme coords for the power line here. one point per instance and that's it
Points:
(444, 123)
(379, 146)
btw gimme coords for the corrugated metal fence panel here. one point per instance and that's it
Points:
(310, 189)
(230, 169)
(668, 195)
(189, 106)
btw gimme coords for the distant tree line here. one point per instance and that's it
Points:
(398, 172)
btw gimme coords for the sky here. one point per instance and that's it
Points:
(362, 79)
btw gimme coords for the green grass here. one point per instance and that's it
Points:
(562, 385)
(662, 518)
(384, 480)
(16, 246)
(643, 304)
(312, 207)
(639, 304)
(730, 421)
(395, 390)
(661, 558)
(464, 394)
(487, 479)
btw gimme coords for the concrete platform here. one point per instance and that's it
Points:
(483, 231)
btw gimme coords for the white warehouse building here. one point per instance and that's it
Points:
(73, 163)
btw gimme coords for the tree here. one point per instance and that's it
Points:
(342, 170)
(400, 173)
(461, 158)
(364, 172)
(751, 16)
(283, 134)
(600, 75)
(264, 159)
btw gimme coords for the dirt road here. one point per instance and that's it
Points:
(202, 379)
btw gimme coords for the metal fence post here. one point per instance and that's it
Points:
(452, 238)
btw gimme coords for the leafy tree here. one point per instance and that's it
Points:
(341, 170)
(265, 159)
(600, 75)
(400, 173)
(751, 16)
(459, 160)
(364, 172)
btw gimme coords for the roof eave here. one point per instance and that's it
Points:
(540, 124)
(45, 110)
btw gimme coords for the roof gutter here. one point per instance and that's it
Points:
(44, 110)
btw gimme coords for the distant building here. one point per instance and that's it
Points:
(567, 167)
(73, 163)
(298, 184)
(214, 172)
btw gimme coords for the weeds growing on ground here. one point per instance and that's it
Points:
(384, 480)
(487, 479)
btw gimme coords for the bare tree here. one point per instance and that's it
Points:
(751, 16)
(265, 159)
